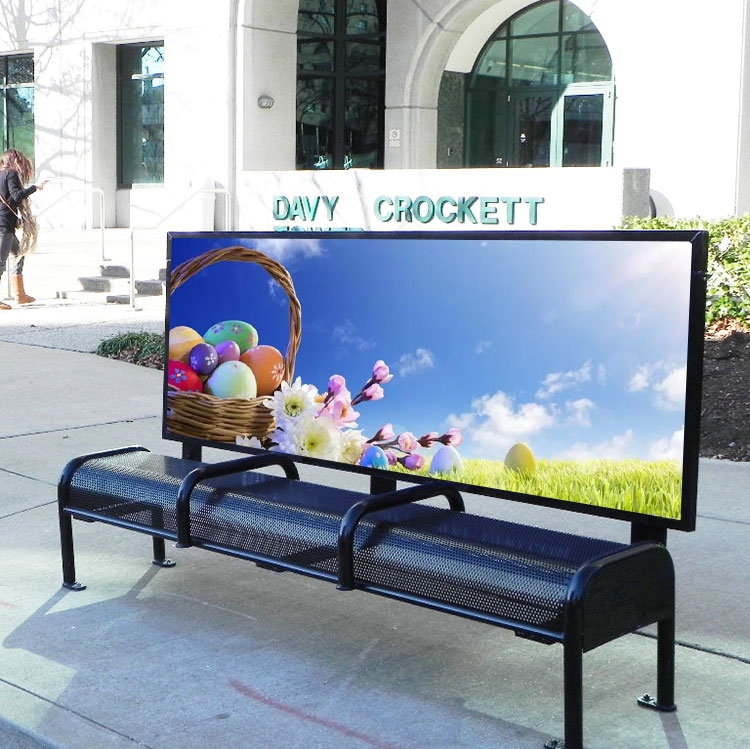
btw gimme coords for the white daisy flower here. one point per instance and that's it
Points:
(318, 439)
(292, 402)
(249, 442)
(352, 444)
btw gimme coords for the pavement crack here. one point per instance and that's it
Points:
(700, 648)
(76, 713)
(81, 426)
(26, 476)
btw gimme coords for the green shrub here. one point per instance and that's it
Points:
(728, 289)
(142, 348)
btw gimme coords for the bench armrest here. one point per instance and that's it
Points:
(214, 470)
(382, 502)
(66, 477)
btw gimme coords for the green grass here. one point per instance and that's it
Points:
(142, 348)
(649, 487)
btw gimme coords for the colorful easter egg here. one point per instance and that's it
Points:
(242, 333)
(181, 340)
(203, 358)
(520, 458)
(227, 351)
(181, 376)
(445, 460)
(374, 457)
(232, 379)
(267, 364)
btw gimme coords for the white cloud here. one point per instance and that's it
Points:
(668, 448)
(285, 249)
(557, 381)
(601, 374)
(617, 448)
(579, 411)
(639, 381)
(670, 392)
(494, 424)
(667, 383)
(346, 335)
(482, 346)
(420, 361)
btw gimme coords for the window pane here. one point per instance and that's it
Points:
(362, 123)
(315, 56)
(314, 123)
(21, 69)
(534, 61)
(585, 58)
(362, 57)
(141, 114)
(575, 19)
(541, 19)
(362, 17)
(582, 130)
(316, 17)
(493, 62)
(20, 104)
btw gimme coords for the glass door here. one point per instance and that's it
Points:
(584, 125)
(531, 130)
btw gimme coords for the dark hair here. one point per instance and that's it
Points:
(19, 162)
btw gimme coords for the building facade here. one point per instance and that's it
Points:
(198, 116)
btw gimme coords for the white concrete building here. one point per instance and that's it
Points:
(263, 101)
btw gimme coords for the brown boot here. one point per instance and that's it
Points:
(3, 305)
(20, 295)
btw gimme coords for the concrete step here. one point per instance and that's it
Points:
(119, 285)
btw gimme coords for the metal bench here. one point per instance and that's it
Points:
(543, 585)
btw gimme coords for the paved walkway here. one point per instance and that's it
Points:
(218, 653)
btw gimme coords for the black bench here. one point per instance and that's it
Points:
(543, 585)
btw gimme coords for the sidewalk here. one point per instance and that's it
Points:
(219, 653)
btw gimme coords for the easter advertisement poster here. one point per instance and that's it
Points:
(550, 368)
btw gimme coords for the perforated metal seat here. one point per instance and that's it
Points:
(486, 565)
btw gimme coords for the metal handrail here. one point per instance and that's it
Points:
(227, 225)
(86, 188)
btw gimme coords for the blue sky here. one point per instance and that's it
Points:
(576, 348)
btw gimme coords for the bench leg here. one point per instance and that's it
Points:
(573, 687)
(664, 701)
(160, 557)
(68, 556)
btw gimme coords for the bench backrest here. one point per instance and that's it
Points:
(557, 368)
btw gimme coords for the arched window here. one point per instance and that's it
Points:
(542, 92)
(340, 83)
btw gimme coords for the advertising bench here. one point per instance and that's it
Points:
(606, 339)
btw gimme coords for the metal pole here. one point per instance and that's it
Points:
(132, 268)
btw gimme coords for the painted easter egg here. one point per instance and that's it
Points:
(267, 364)
(227, 351)
(520, 458)
(232, 379)
(181, 340)
(374, 457)
(183, 377)
(242, 333)
(203, 358)
(445, 460)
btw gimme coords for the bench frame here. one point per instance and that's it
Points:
(578, 634)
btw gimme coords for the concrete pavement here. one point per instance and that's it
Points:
(217, 652)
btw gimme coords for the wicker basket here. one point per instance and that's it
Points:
(224, 419)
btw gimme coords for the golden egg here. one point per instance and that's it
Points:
(520, 458)
(181, 340)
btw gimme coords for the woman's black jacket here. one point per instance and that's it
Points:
(12, 193)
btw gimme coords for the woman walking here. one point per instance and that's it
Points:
(16, 171)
